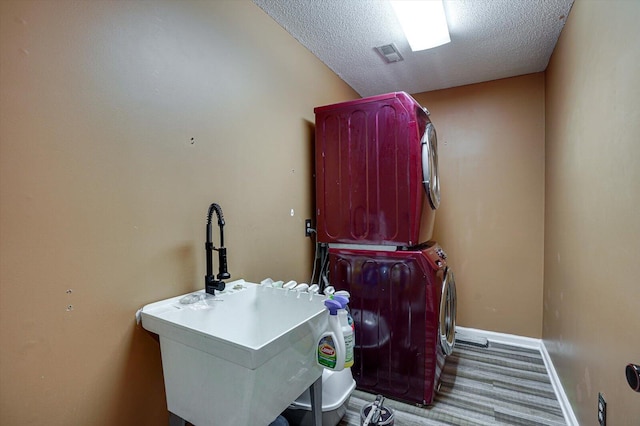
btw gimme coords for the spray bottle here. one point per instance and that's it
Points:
(347, 331)
(345, 293)
(331, 345)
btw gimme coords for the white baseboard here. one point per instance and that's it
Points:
(507, 339)
(529, 343)
(569, 415)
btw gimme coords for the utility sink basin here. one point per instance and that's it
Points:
(239, 357)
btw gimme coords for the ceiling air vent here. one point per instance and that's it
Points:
(390, 53)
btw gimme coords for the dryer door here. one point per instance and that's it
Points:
(448, 312)
(430, 177)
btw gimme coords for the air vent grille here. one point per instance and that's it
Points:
(390, 53)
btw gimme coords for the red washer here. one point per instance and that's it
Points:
(403, 305)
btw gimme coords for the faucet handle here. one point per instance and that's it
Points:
(211, 284)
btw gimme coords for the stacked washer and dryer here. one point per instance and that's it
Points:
(377, 191)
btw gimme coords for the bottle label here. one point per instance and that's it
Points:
(348, 356)
(327, 352)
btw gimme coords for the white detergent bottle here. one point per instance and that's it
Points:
(347, 330)
(345, 293)
(331, 348)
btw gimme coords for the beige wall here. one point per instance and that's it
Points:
(592, 215)
(490, 221)
(104, 193)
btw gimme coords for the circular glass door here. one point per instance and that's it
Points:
(448, 312)
(430, 177)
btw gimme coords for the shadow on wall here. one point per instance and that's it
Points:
(185, 275)
(138, 393)
(310, 139)
(310, 134)
(187, 256)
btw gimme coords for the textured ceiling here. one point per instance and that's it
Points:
(490, 39)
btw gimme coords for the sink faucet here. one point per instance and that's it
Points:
(211, 282)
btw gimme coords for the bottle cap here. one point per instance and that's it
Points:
(343, 301)
(332, 306)
(343, 293)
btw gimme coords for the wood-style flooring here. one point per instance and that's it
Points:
(498, 385)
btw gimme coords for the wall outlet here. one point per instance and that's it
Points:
(307, 228)
(602, 410)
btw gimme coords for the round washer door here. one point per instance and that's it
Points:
(448, 312)
(430, 177)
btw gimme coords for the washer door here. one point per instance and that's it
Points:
(430, 177)
(448, 312)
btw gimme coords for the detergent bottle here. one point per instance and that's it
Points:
(331, 347)
(345, 293)
(347, 330)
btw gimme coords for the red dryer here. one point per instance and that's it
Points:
(376, 172)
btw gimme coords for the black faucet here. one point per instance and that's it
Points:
(211, 284)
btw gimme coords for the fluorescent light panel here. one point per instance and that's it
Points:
(423, 21)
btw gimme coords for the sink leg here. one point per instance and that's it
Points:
(316, 401)
(175, 420)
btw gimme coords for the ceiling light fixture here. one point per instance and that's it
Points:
(424, 22)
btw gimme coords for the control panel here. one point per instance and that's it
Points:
(436, 256)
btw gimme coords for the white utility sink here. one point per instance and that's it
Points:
(239, 357)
